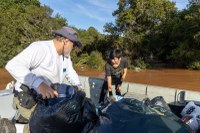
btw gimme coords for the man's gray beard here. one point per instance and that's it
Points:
(67, 55)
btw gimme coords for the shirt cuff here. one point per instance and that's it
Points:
(36, 84)
(80, 86)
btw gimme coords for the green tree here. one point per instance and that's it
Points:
(178, 39)
(136, 20)
(22, 22)
(188, 49)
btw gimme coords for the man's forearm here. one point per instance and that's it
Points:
(109, 83)
(109, 88)
(124, 74)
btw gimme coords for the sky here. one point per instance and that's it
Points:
(86, 13)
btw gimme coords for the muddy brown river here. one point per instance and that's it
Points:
(175, 78)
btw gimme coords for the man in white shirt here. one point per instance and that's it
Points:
(43, 63)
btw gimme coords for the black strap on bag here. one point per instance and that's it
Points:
(28, 97)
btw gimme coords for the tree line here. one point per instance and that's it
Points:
(148, 32)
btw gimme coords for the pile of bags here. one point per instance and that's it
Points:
(133, 116)
(191, 116)
(78, 114)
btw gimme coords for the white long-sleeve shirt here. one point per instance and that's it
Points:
(40, 62)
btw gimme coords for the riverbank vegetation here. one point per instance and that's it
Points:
(151, 33)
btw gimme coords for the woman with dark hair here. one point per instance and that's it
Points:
(116, 70)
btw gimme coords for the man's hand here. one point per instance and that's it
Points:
(46, 91)
(79, 88)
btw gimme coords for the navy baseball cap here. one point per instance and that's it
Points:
(68, 33)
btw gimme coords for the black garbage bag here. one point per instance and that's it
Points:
(61, 116)
(90, 116)
(64, 114)
(89, 111)
(159, 100)
(7, 126)
(132, 116)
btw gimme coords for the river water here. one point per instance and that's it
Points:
(174, 78)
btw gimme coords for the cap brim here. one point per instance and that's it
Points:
(57, 32)
(71, 38)
(77, 43)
